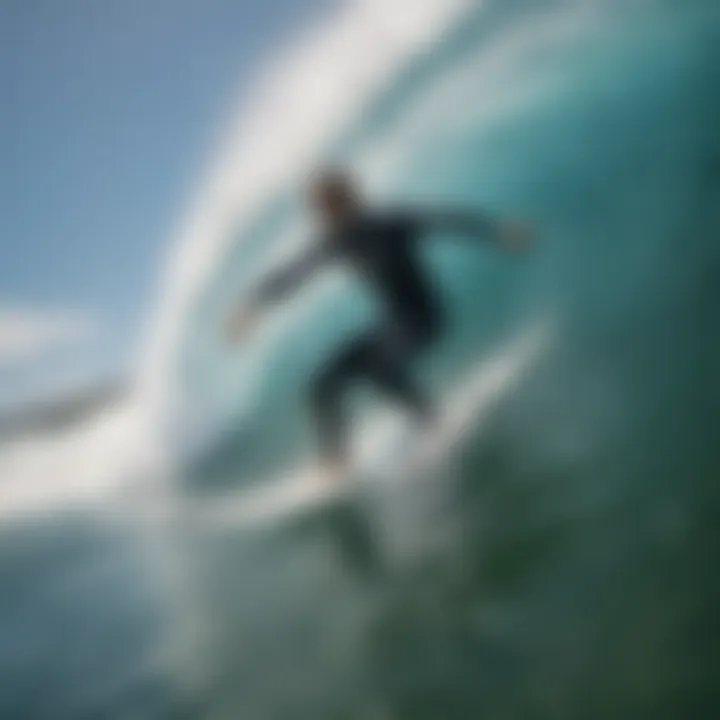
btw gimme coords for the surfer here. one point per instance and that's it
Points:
(381, 245)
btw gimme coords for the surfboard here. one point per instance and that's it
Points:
(389, 451)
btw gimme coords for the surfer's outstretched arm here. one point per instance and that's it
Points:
(275, 287)
(507, 234)
(283, 281)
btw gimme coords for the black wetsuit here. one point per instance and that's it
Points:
(382, 247)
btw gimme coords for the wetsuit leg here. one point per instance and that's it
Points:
(384, 358)
(328, 389)
(390, 369)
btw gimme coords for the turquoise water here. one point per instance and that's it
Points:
(568, 567)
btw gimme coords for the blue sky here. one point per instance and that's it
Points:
(108, 112)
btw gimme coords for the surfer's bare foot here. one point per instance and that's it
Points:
(428, 429)
(332, 471)
(428, 421)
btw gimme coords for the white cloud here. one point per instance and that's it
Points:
(25, 334)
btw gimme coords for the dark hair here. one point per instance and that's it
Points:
(333, 182)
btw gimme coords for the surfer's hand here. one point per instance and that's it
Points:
(515, 236)
(241, 323)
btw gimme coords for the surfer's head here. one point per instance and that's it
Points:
(334, 196)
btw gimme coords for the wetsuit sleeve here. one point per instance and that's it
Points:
(279, 283)
(471, 224)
